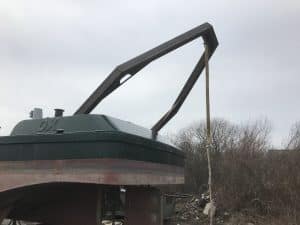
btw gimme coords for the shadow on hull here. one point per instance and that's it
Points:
(77, 204)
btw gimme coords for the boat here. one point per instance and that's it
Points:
(73, 169)
(86, 149)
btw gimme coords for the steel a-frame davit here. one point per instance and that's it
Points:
(83, 169)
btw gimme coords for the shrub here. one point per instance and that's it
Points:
(247, 175)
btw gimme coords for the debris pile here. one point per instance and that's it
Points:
(189, 211)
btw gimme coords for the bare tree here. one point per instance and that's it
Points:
(236, 158)
(193, 140)
(294, 137)
(245, 175)
(224, 134)
(254, 137)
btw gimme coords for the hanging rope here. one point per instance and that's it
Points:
(208, 137)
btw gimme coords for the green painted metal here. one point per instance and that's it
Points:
(81, 123)
(69, 124)
(86, 137)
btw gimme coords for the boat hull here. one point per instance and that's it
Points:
(73, 172)
(16, 174)
(112, 158)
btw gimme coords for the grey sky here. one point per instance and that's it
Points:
(55, 53)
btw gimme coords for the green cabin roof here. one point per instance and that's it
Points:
(86, 136)
(80, 123)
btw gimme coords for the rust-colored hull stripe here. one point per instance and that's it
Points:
(98, 171)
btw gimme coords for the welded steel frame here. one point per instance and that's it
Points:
(131, 67)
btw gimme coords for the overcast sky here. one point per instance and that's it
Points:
(53, 54)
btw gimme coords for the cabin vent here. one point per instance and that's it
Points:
(59, 112)
(36, 114)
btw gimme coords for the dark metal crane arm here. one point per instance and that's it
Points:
(131, 67)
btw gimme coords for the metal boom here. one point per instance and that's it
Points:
(131, 67)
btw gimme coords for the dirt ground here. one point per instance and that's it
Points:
(189, 211)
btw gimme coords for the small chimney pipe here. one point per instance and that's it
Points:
(59, 112)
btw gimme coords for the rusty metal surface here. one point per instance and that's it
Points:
(97, 171)
(59, 204)
(143, 206)
(77, 204)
